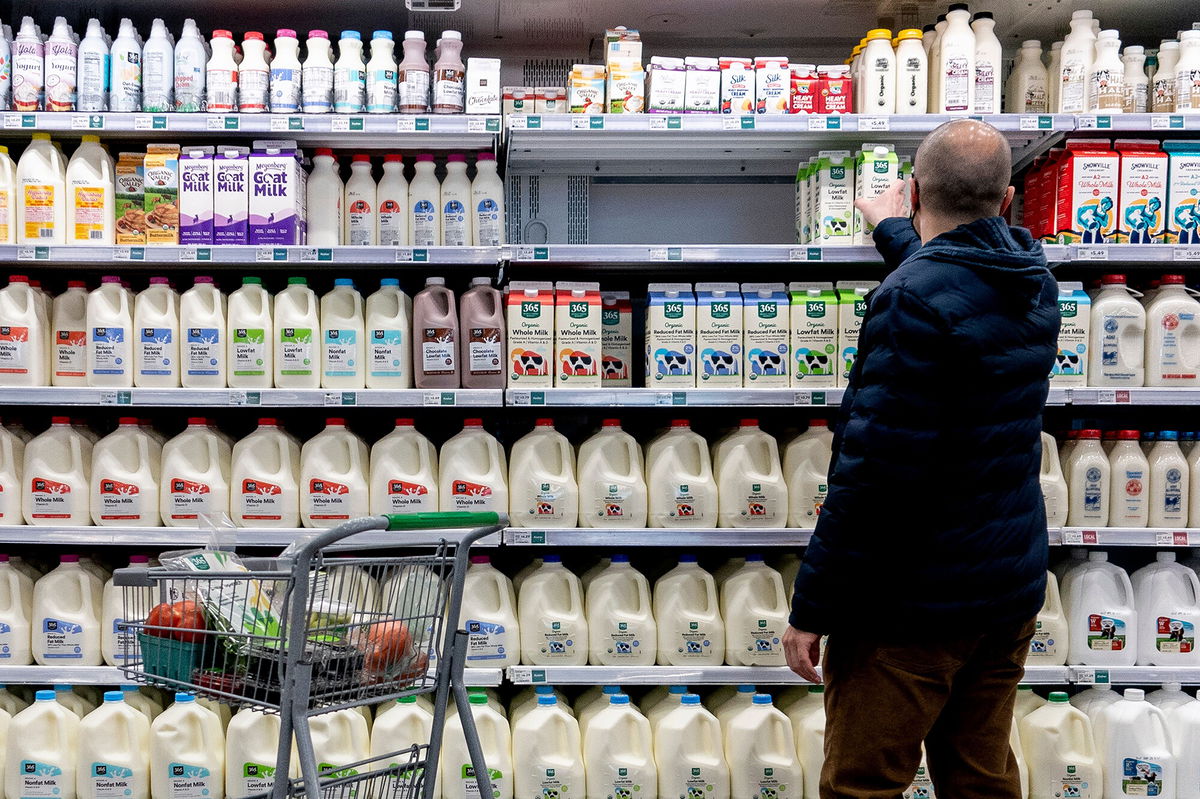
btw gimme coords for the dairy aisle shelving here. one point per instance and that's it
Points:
(259, 397)
(174, 537)
(711, 675)
(256, 256)
(112, 675)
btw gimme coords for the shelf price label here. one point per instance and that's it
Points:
(1091, 253)
(806, 254)
(737, 123)
(1167, 122)
(345, 124)
(810, 398)
(129, 253)
(1084, 676)
(1113, 397)
(341, 398)
(20, 120)
(224, 123)
(1094, 123)
(267, 254)
(821, 122)
(1080, 537)
(670, 398)
(873, 123)
(1171, 538)
(526, 537)
(665, 253)
(120, 397)
(439, 399)
(33, 253)
(193, 253)
(672, 122)
(1037, 122)
(1186, 254)
(87, 122)
(413, 125)
(240, 398)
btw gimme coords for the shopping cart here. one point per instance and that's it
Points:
(314, 631)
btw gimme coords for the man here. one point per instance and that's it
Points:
(928, 564)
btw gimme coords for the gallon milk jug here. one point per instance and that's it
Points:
(333, 477)
(119, 644)
(249, 356)
(156, 346)
(809, 729)
(1054, 484)
(495, 738)
(727, 701)
(751, 487)
(1167, 596)
(66, 616)
(1130, 480)
(12, 465)
(473, 472)
(187, 752)
(408, 722)
(798, 702)
(77, 703)
(110, 359)
(612, 479)
(1060, 752)
(690, 629)
(251, 742)
(343, 337)
(126, 469)
(265, 478)
(481, 334)
(297, 325)
(1026, 702)
(1102, 624)
(339, 739)
(389, 334)
(690, 753)
(489, 615)
(655, 704)
(1117, 350)
(1135, 748)
(202, 323)
(1184, 724)
(435, 336)
(547, 752)
(1095, 699)
(1173, 335)
(114, 756)
(42, 751)
(620, 619)
(57, 470)
(755, 608)
(16, 616)
(404, 469)
(1050, 642)
(1169, 697)
(68, 332)
(24, 335)
(1088, 478)
(554, 629)
(592, 701)
(195, 475)
(414, 592)
(618, 752)
(91, 214)
(760, 748)
(806, 466)
(1169, 480)
(683, 491)
(542, 479)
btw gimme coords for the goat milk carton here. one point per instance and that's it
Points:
(767, 334)
(231, 200)
(161, 198)
(876, 168)
(852, 307)
(1075, 307)
(670, 336)
(616, 339)
(1183, 192)
(737, 85)
(1143, 206)
(129, 196)
(1089, 175)
(719, 335)
(814, 335)
(277, 193)
(577, 336)
(833, 198)
(196, 196)
(530, 333)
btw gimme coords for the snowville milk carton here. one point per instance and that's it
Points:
(277, 194)
(577, 337)
(833, 198)
(530, 334)
(1143, 204)
(852, 307)
(161, 197)
(767, 337)
(814, 335)
(1075, 307)
(196, 196)
(616, 339)
(719, 335)
(737, 85)
(1183, 192)
(876, 168)
(231, 202)
(1089, 173)
(670, 335)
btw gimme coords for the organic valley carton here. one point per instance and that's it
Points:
(626, 87)
(130, 198)
(577, 336)
(1089, 174)
(278, 194)
(1183, 192)
(196, 196)
(767, 334)
(876, 168)
(719, 335)
(161, 199)
(852, 307)
(1143, 193)
(814, 335)
(833, 199)
(616, 339)
(670, 336)
(530, 333)
(1075, 307)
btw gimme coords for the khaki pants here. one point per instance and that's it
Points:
(884, 697)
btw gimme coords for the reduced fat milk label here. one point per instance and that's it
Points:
(485, 640)
(694, 643)
(108, 781)
(262, 500)
(6, 641)
(384, 352)
(126, 645)
(119, 501)
(438, 350)
(767, 334)
(328, 499)
(624, 641)
(14, 350)
(51, 499)
(340, 351)
(108, 351)
(188, 782)
(296, 351)
(153, 344)
(188, 499)
(719, 321)
(42, 780)
(202, 351)
(556, 641)
(249, 351)
(922, 786)
(70, 353)
(671, 336)
(60, 640)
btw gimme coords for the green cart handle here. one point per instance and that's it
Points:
(441, 521)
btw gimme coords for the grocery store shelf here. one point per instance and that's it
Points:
(710, 675)
(264, 397)
(59, 675)
(65, 535)
(663, 255)
(1133, 254)
(1135, 396)
(1134, 675)
(260, 256)
(692, 397)
(1129, 537)
(657, 537)
(1138, 122)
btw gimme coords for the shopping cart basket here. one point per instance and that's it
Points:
(314, 631)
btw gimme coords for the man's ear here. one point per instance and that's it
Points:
(1006, 203)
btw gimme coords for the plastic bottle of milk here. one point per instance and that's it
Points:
(16, 615)
(455, 200)
(554, 629)
(404, 472)
(689, 752)
(77, 703)
(251, 742)
(110, 330)
(249, 331)
(1134, 746)
(1060, 751)
(878, 89)
(254, 75)
(12, 486)
(57, 469)
(413, 75)
(956, 63)
(489, 615)
(988, 63)
(202, 323)
(333, 477)
(424, 202)
(1026, 90)
(119, 644)
(547, 751)
(125, 477)
(191, 57)
(1075, 65)
(195, 475)
(1187, 73)
(28, 68)
(612, 482)
(1088, 478)
(449, 75)
(285, 73)
(381, 74)
(339, 739)
(690, 629)
(24, 350)
(751, 486)
(1131, 480)
(1054, 484)
(391, 197)
(495, 738)
(297, 324)
(1184, 724)
(90, 215)
(760, 748)
(325, 195)
(1167, 596)
(221, 74)
(755, 608)
(265, 478)
(1137, 89)
(8, 187)
(481, 335)
(156, 321)
(1164, 82)
(806, 466)
(1118, 323)
(435, 336)
(1169, 697)
(618, 752)
(1172, 337)
(114, 759)
(61, 57)
(389, 328)
(317, 73)
(343, 348)
(126, 70)
(158, 71)
(408, 722)
(362, 212)
(487, 203)
(42, 750)
(41, 189)
(1051, 639)
(473, 473)
(912, 73)
(1169, 479)
(620, 618)
(187, 751)
(1106, 78)
(349, 75)
(66, 616)
(542, 479)
(683, 491)
(1101, 615)
(91, 69)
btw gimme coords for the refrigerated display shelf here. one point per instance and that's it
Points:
(651, 397)
(1130, 537)
(1133, 675)
(1134, 396)
(263, 397)
(174, 537)
(664, 255)
(657, 537)
(703, 675)
(111, 675)
(258, 256)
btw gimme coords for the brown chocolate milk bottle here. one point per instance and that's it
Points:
(435, 336)
(481, 332)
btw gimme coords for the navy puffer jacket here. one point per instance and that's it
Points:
(935, 514)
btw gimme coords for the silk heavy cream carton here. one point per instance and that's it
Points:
(875, 169)
(1075, 308)
(577, 336)
(737, 85)
(530, 334)
(852, 307)
(616, 339)
(767, 334)
(1183, 192)
(814, 334)
(833, 198)
(719, 335)
(1143, 203)
(1088, 183)
(670, 336)
(278, 194)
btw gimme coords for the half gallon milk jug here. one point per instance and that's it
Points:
(1184, 724)
(1088, 478)
(389, 334)
(156, 335)
(1101, 620)
(297, 325)
(481, 333)
(1060, 751)
(473, 473)
(326, 194)
(1117, 350)
(1169, 480)
(187, 752)
(1135, 748)
(339, 739)
(435, 336)
(554, 629)
(1173, 335)
(42, 751)
(755, 608)
(68, 330)
(1050, 639)
(495, 739)
(8, 185)
(24, 335)
(109, 335)
(249, 356)
(683, 491)
(406, 723)
(57, 472)
(41, 208)
(91, 214)
(343, 349)
(760, 748)
(620, 619)
(542, 479)
(195, 475)
(690, 629)
(489, 615)
(1130, 481)
(202, 323)
(618, 752)
(547, 751)
(333, 477)
(404, 472)
(16, 615)
(66, 616)
(751, 487)
(809, 730)
(126, 469)
(806, 466)
(612, 479)
(1054, 483)
(265, 478)
(251, 742)
(1167, 596)
(12, 465)
(119, 644)
(114, 756)
(689, 751)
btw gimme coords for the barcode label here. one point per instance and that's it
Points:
(96, 234)
(46, 233)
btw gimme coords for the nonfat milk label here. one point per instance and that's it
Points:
(814, 319)
(41, 780)
(671, 336)
(719, 335)
(577, 336)
(767, 334)
(1070, 362)
(530, 307)
(188, 781)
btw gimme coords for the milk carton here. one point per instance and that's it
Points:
(805, 89)
(196, 196)
(772, 85)
(483, 86)
(719, 335)
(666, 85)
(585, 89)
(626, 87)
(737, 85)
(530, 333)
(833, 198)
(852, 307)
(767, 334)
(702, 94)
(577, 337)
(1088, 178)
(671, 335)
(130, 196)
(1075, 307)
(161, 198)
(1143, 192)
(231, 202)
(1183, 192)
(814, 320)
(549, 100)
(616, 339)
(277, 194)
(876, 168)
(519, 100)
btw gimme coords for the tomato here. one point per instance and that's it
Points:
(387, 645)
(185, 621)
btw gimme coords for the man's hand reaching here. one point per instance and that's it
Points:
(885, 206)
(803, 652)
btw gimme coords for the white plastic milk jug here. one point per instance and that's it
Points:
(187, 752)
(1050, 639)
(1167, 596)
(612, 479)
(339, 739)
(156, 335)
(333, 477)
(1135, 748)
(760, 748)
(114, 751)
(1054, 483)
(195, 475)
(809, 729)
(547, 751)
(265, 478)
(110, 359)
(404, 472)
(690, 753)
(690, 629)
(750, 482)
(1102, 622)
(1118, 331)
(42, 750)
(66, 616)
(126, 466)
(1088, 477)
(495, 738)
(655, 704)
(620, 619)
(489, 615)
(202, 323)
(16, 615)
(408, 722)
(806, 467)
(1184, 724)
(69, 335)
(12, 466)
(57, 471)
(1060, 752)
(541, 479)
(297, 327)
(618, 752)
(251, 742)
(1173, 335)
(755, 608)
(473, 472)
(343, 337)
(24, 335)
(527, 698)
(389, 334)
(119, 644)
(554, 629)
(683, 490)
(1170, 696)
(249, 333)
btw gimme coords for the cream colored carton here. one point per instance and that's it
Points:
(833, 198)
(875, 169)
(577, 336)
(671, 336)
(772, 83)
(767, 334)
(737, 85)
(814, 318)
(1142, 204)
(626, 87)
(530, 333)
(585, 89)
(852, 307)
(667, 85)
(719, 335)
(161, 198)
(616, 339)
(1183, 198)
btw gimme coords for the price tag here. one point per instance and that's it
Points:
(664, 398)
(279, 124)
(339, 124)
(524, 253)
(519, 674)
(245, 398)
(308, 253)
(517, 122)
(657, 253)
(404, 255)
(526, 537)
(518, 397)
(216, 123)
(1165, 538)
(1166, 122)
(1187, 254)
(1083, 676)
(12, 121)
(873, 123)
(731, 123)
(80, 122)
(1072, 537)
(26, 253)
(406, 125)
(193, 253)
(658, 123)
(122, 253)
(270, 254)
(1091, 254)
(580, 122)
(806, 254)
(435, 399)
(108, 398)
(143, 123)
(477, 125)
(346, 398)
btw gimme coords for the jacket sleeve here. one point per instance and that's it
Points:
(896, 239)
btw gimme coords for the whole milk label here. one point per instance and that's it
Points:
(547, 502)
(469, 496)
(406, 497)
(188, 499)
(51, 499)
(14, 350)
(119, 501)
(328, 499)
(612, 502)
(70, 353)
(261, 500)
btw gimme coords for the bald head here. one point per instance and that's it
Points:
(963, 170)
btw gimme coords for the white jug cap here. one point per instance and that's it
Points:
(1097, 557)
(1165, 557)
(1135, 695)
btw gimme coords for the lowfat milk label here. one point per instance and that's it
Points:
(1143, 211)
(296, 350)
(671, 336)
(833, 198)
(249, 351)
(1183, 198)
(530, 313)
(719, 322)
(1070, 363)
(577, 336)
(852, 309)
(767, 334)
(814, 318)
(876, 169)
(470, 788)
(254, 778)
(616, 339)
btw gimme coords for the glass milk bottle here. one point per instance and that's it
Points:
(1026, 90)
(1106, 79)
(988, 63)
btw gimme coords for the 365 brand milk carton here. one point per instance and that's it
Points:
(577, 336)
(1143, 193)
(719, 335)
(671, 335)
(767, 334)
(1183, 192)
(1075, 307)
(616, 339)
(814, 335)
(1088, 179)
(772, 85)
(852, 307)
(277, 194)
(876, 168)
(231, 199)
(833, 198)
(530, 334)
(196, 196)
(161, 198)
(737, 85)
(130, 194)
